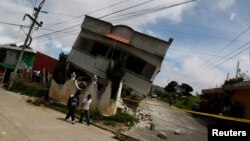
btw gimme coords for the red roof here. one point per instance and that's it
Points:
(212, 90)
(120, 39)
(44, 61)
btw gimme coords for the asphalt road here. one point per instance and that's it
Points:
(21, 121)
(168, 121)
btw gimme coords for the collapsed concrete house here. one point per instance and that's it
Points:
(99, 42)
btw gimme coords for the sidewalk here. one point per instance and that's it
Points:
(22, 121)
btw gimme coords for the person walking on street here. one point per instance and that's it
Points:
(85, 109)
(73, 102)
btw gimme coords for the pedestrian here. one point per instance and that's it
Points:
(85, 109)
(73, 102)
(170, 102)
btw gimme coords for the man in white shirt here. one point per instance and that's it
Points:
(85, 108)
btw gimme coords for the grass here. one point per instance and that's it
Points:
(125, 118)
(183, 103)
(96, 115)
(35, 90)
(164, 99)
(186, 103)
(30, 89)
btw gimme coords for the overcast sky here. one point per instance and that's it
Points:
(210, 36)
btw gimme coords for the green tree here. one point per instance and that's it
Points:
(185, 89)
(115, 73)
(60, 72)
(172, 87)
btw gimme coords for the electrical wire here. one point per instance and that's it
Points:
(220, 63)
(208, 60)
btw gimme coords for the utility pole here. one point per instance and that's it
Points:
(34, 22)
(227, 76)
(237, 69)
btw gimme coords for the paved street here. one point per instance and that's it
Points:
(168, 121)
(21, 121)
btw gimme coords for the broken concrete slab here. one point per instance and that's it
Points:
(177, 132)
(162, 135)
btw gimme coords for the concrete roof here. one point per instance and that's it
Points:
(17, 48)
(212, 90)
(229, 87)
(238, 86)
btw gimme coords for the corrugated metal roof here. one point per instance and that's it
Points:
(17, 48)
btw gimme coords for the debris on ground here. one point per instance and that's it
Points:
(177, 132)
(123, 137)
(142, 116)
(36, 101)
(152, 126)
(162, 135)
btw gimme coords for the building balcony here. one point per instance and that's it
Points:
(98, 65)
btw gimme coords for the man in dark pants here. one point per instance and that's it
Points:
(85, 108)
(73, 102)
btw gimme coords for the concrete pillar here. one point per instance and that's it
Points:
(4, 75)
(118, 96)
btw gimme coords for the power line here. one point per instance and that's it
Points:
(12, 24)
(59, 14)
(202, 53)
(126, 8)
(34, 21)
(208, 60)
(98, 18)
(227, 59)
(77, 3)
(181, 32)
(109, 6)
(112, 14)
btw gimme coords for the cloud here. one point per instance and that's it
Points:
(66, 49)
(151, 33)
(13, 11)
(186, 68)
(175, 65)
(232, 16)
(224, 4)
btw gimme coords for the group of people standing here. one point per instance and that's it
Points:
(73, 103)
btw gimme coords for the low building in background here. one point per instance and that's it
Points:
(9, 56)
(31, 61)
(44, 62)
(232, 99)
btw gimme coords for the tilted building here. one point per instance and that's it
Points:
(99, 42)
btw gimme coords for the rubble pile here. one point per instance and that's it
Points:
(36, 101)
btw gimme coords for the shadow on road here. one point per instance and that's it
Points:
(60, 118)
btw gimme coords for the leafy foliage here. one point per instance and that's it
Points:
(172, 87)
(120, 118)
(185, 89)
(234, 80)
(34, 90)
(60, 72)
(187, 103)
(96, 115)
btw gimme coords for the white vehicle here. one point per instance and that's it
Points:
(154, 95)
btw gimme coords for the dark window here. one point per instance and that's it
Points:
(99, 49)
(135, 64)
(148, 71)
(114, 54)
